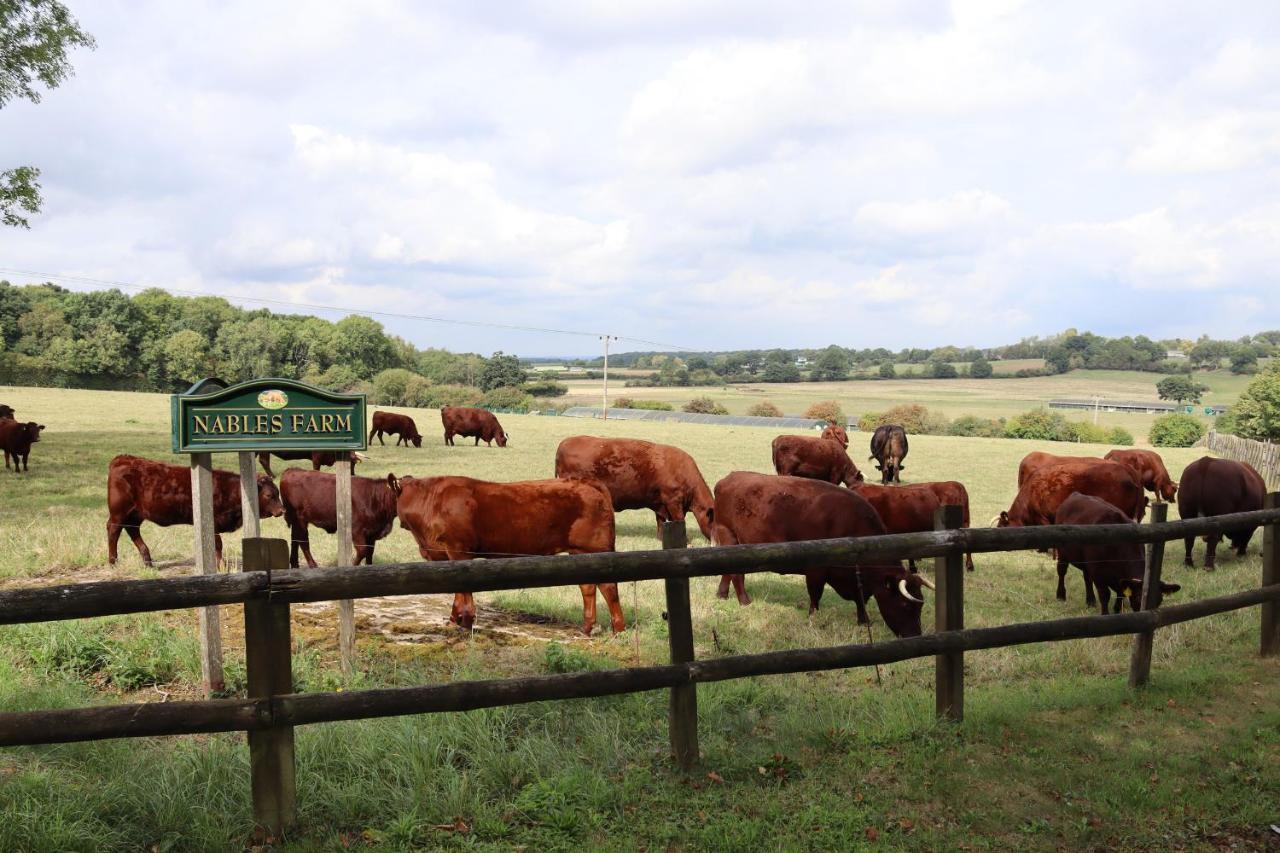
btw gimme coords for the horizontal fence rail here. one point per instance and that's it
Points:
(105, 598)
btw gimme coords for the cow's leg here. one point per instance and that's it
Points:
(113, 539)
(463, 613)
(264, 459)
(814, 582)
(302, 537)
(588, 607)
(968, 561)
(135, 536)
(616, 620)
(26, 461)
(1189, 542)
(1104, 597)
(861, 604)
(1210, 553)
(1119, 602)
(6, 459)
(364, 551)
(722, 591)
(740, 589)
(217, 551)
(1062, 580)
(1089, 586)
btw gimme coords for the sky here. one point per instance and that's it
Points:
(697, 175)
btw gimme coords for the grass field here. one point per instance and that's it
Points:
(988, 398)
(1055, 752)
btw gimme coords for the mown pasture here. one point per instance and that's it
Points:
(1055, 751)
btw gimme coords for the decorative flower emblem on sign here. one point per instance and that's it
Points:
(273, 399)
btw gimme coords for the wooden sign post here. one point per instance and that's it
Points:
(261, 415)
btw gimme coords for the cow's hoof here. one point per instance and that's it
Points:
(1062, 596)
(1209, 568)
(743, 599)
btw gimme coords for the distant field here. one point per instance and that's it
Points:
(1055, 752)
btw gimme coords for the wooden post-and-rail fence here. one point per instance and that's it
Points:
(267, 588)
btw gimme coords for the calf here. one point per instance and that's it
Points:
(814, 459)
(888, 449)
(469, 422)
(16, 439)
(1149, 468)
(319, 458)
(401, 426)
(1218, 487)
(141, 490)
(310, 498)
(458, 518)
(1118, 568)
(835, 432)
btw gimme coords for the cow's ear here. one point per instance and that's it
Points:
(393, 484)
(41, 427)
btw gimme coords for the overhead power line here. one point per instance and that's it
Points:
(262, 300)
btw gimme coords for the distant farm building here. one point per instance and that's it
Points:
(1143, 408)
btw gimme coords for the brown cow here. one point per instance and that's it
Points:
(640, 475)
(835, 432)
(458, 518)
(319, 458)
(814, 459)
(16, 439)
(1037, 459)
(888, 449)
(6, 412)
(903, 509)
(1044, 491)
(756, 508)
(1118, 568)
(141, 490)
(467, 422)
(1211, 487)
(401, 426)
(953, 493)
(1149, 468)
(309, 498)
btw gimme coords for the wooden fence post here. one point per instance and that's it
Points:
(948, 603)
(250, 528)
(1140, 659)
(1271, 575)
(210, 629)
(346, 607)
(268, 663)
(682, 716)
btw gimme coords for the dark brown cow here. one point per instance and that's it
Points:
(1037, 459)
(888, 449)
(1149, 468)
(903, 509)
(835, 432)
(6, 412)
(16, 439)
(640, 475)
(319, 459)
(141, 490)
(756, 508)
(953, 493)
(1044, 491)
(468, 422)
(401, 426)
(814, 459)
(458, 518)
(310, 498)
(1211, 487)
(1118, 568)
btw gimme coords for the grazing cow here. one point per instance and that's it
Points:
(1149, 468)
(6, 412)
(835, 432)
(953, 493)
(1044, 491)
(888, 449)
(814, 459)
(640, 475)
(401, 426)
(458, 518)
(755, 508)
(1118, 568)
(1218, 487)
(310, 498)
(1037, 459)
(16, 439)
(319, 458)
(467, 422)
(141, 490)
(903, 509)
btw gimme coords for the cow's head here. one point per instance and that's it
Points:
(1168, 490)
(898, 595)
(33, 431)
(417, 440)
(269, 505)
(854, 477)
(1131, 588)
(1002, 520)
(502, 438)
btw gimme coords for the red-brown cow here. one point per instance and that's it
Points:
(903, 509)
(640, 475)
(888, 448)
(835, 432)
(319, 459)
(458, 518)
(1037, 459)
(141, 490)
(310, 498)
(814, 459)
(1219, 487)
(953, 493)
(16, 439)
(469, 422)
(1149, 468)
(1118, 568)
(1044, 491)
(401, 426)
(756, 508)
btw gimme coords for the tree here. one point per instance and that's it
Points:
(502, 371)
(1244, 360)
(35, 37)
(831, 366)
(942, 370)
(361, 344)
(1209, 353)
(186, 355)
(1180, 389)
(1176, 430)
(1257, 414)
(887, 371)
(775, 371)
(980, 368)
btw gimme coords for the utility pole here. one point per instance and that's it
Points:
(604, 406)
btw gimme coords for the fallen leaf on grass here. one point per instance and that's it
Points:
(715, 777)
(872, 833)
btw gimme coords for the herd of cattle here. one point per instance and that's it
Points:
(817, 492)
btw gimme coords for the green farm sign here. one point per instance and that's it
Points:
(266, 414)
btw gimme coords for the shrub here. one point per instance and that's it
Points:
(392, 387)
(914, 418)
(764, 409)
(652, 406)
(976, 427)
(1040, 424)
(546, 388)
(942, 370)
(1087, 432)
(1120, 436)
(980, 368)
(826, 410)
(506, 397)
(886, 370)
(439, 396)
(1176, 430)
(704, 406)
(1226, 422)
(868, 421)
